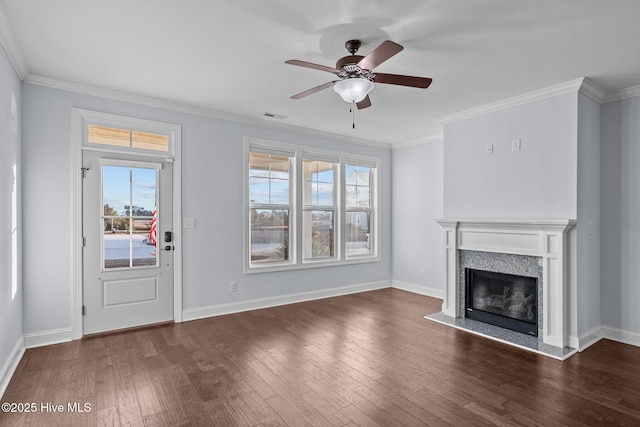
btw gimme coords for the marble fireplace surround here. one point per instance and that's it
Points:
(546, 239)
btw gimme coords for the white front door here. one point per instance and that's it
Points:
(128, 257)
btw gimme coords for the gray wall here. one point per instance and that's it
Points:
(620, 215)
(537, 182)
(417, 198)
(10, 301)
(212, 159)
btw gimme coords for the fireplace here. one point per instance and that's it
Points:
(545, 241)
(506, 300)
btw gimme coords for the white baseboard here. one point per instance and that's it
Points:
(590, 338)
(237, 307)
(620, 335)
(418, 289)
(55, 336)
(10, 365)
(608, 332)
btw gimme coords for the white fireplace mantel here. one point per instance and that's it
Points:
(543, 238)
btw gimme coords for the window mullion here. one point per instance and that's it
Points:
(342, 210)
(298, 203)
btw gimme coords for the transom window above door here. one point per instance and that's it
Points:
(111, 133)
(127, 138)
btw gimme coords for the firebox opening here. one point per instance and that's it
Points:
(504, 300)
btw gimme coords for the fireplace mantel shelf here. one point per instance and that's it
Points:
(511, 224)
(545, 238)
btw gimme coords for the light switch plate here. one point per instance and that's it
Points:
(189, 223)
(516, 145)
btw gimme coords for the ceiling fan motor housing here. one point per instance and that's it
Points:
(348, 65)
(348, 60)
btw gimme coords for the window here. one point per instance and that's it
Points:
(14, 234)
(128, 238)
(319, 208)
(308, 208)
(359, 212)
(125, 138)
(270, 207)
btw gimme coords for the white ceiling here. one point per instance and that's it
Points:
(228, 55)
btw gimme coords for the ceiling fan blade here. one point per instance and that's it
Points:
(313, 90)
(312, 65)
(398, 79)
(366, 102)
(380, 54)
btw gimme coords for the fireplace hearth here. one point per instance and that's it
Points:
(506, 300)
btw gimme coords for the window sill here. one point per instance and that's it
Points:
(309, 265)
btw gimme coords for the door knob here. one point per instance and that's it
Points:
(167, 248)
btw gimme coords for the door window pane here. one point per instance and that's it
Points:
(143, 249)
(143, 191)
(269, 235)
(129, 216)
(116, 242)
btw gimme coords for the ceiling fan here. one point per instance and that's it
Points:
(356, 75)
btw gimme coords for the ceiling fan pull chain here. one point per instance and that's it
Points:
(353, 114)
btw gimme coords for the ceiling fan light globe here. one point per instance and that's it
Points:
(353, 89)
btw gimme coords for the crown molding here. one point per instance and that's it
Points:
(8, 43)
(401, 145)
(593, 91)
(620, 94)
(583, 85)
(559, 89)
(148, 101)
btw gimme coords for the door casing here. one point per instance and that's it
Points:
(79, 120)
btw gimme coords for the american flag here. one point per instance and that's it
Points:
(153, 230)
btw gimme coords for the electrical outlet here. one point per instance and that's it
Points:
(233, 286)
(489, 149)
(423, 273)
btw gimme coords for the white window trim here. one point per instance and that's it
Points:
(295, 241)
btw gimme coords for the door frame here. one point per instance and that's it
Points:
(79, 120)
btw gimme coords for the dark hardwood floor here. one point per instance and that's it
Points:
(362, 359)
